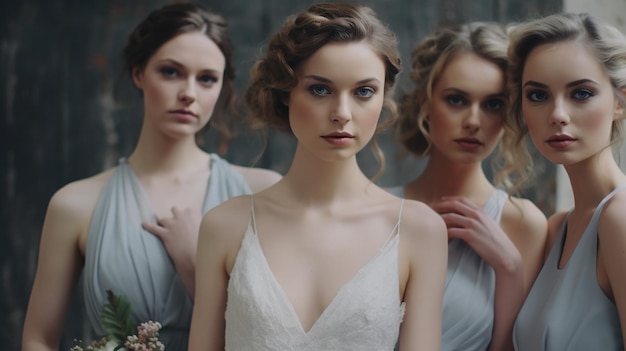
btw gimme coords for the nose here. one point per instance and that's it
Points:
(472, 119)
(187, 93)
(340, 112)
(559, 115)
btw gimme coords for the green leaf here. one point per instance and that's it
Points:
(116, 318)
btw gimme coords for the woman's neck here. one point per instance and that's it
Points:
(444, 178)
(156, 154)
(592, 179)
(316, 182)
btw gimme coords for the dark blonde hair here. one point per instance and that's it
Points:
(273, 75)
(606, 42)
(166, 23)
(429, 59)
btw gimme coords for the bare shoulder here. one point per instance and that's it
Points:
(78, 198)
(223, 227)
(613, 219)
(258, 178)
(522, 220)
(421, 224)
(70, 209)
(229, 212)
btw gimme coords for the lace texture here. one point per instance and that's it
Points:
(364, 315)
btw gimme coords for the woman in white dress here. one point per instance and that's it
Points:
(324, 259)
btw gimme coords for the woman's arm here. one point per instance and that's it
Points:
(424, 246)
(612, 253)
(221, 232)
(527, 228)
(58, 267)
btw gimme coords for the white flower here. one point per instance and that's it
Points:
(111, 345)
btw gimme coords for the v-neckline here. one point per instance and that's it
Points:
(147, 201)
(334, 301)
(563, 235)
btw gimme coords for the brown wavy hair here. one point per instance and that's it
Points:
(273, 74)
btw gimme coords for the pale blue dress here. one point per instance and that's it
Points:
(566, 309)
(124, 258)
(468, 300)
(365, 315)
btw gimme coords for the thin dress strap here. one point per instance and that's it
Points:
(396, 229)
(252, 217)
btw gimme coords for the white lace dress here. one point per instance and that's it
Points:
(364, 315)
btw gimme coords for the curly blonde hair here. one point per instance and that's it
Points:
(429, 59)
(608, 44)
(273, 75)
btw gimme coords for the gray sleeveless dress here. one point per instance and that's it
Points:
(365, 314)
(468, 300)
(121, 256)
(566, 309)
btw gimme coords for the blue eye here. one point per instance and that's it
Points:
(365, 92)
(169, 72)
(494, 105)
(208, 79)
(582, 94)
(319, 90)
(455, 100)
(537, 96)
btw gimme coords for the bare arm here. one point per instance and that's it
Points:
(58, 267)
(258, 178)
(527, 228)
(220, 236)
(612, 252)
(424, 246)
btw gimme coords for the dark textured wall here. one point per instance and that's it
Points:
(66, 111)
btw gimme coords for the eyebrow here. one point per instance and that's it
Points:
(568, 85)
(176, 63)
(326, 80)
(462, 92)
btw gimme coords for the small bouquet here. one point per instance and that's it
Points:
(123, 335)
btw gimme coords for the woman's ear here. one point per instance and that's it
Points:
(137, 77)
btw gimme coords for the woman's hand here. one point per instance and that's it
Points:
(179, 234)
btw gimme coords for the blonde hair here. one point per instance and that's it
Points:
(606, 42)
(273, 75)
(429, 59)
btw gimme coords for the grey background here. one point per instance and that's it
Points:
(68, 112)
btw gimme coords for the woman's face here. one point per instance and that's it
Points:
(467, 109)
(334, 108)
(181, 84)
(567, 102)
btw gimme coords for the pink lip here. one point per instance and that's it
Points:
(469, 143)
(184, 114)
(338, 138)
(560, 141)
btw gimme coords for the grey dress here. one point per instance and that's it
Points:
(121, 256)
(468, 300)
(566, 309)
